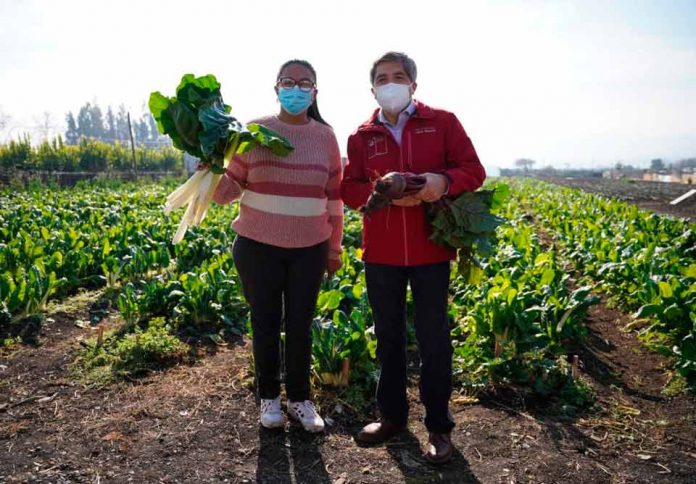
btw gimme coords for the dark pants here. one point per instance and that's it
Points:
(386, 290)
(281, 285)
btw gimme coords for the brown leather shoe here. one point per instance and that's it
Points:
(439, 448)
(378, 432)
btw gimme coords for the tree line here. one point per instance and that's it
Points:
(94, 140)
(89, 154)
(111, 126)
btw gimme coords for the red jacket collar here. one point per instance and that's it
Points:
(422, 111)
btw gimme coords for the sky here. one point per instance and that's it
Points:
(566, 83)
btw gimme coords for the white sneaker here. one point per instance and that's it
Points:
(307, 415)
(271, 415)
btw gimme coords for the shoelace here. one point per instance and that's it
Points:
(298, 408)
(266, 405)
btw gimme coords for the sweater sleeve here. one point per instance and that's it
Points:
(464, 169)
(356, 186)
(232, 183)
(335, 204)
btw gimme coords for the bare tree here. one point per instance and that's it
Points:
(4, 120)
(44, 125)
(524, 163)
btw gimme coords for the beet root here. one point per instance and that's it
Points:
(393, 186)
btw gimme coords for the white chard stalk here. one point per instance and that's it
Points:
(196, 193)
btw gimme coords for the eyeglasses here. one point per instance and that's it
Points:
(305, 85)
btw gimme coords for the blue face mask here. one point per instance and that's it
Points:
(294, 100)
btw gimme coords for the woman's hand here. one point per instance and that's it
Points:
(332, 266)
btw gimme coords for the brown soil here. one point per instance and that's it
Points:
(652, 196)
(199, 423)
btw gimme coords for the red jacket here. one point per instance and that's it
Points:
(433, 141)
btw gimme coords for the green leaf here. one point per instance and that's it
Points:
(673, 313)
(218, 129)
(195, 92)
(270, 139)
(341, 319)
(199, 123)
(500, 195)
(465, 222)
(186, 126)
(358, 290)
(547, 277)
(648, 310)
(158, 105)
(334, 301)
(690, 271)
(106, 248)
(665, 289)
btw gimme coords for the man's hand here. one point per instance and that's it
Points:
(434, 189)
(410, 201)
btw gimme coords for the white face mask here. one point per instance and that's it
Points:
(393, 97)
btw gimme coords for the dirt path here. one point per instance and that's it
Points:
(650, 196)
(199, 424)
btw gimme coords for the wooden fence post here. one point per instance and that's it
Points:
(130, 131)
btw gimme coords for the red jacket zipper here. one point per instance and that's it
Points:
(403, 209)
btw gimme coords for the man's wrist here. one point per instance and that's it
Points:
(447, 183)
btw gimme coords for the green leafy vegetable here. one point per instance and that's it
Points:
(199, 123)
(467, 225)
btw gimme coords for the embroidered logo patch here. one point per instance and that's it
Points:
(427, 129)
(376, 146)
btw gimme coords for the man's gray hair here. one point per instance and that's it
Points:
(403, 59)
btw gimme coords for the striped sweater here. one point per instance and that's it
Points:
(291, 201)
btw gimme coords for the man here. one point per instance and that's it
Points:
(405, 135)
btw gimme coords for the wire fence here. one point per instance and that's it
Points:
(70, 178)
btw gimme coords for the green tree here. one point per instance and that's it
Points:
(141, 131)
(97, 118)
(110, 128)
(122, 124)
(72, 135)
(152, 125)
(657, 164)
(686, 163)
(84, 121)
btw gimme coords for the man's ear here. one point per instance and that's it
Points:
(372, 90)
(414, 85)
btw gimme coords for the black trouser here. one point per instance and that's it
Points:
(386, 290)
(281, 285)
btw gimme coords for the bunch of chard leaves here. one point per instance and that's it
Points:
(468, 224)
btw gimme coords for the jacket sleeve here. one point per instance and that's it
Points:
(232, 183)
(335, 204)
(464, 169)
(356, 186)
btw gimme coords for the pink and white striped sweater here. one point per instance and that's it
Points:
(291, 201)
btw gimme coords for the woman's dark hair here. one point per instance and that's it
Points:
(313, 111)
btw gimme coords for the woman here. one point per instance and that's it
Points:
(289, 233)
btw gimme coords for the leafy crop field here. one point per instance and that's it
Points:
(125, 357)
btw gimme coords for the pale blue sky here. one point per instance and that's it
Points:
(583, 83)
